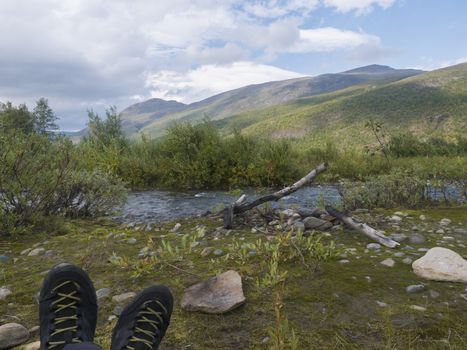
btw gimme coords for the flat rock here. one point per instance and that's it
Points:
(388, 262)
(123, 297)
(36, 251)
(312, 223)
(12, 334)
(441, 264)
(216, 295)
(395, 218)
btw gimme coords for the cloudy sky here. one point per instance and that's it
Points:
(83, 54)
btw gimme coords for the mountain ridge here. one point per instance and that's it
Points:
(253, 96)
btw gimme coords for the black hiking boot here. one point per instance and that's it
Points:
(143, 323)
(68, 308)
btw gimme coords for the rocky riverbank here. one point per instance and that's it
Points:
(364, 295)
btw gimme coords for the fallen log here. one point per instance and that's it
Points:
(376, 235)
(241, 206)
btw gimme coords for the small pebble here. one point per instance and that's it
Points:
(407, 261)
(388, 262)
(415, 288)
(381, 304)
(417, 308)
(218, 252)
(373, 246)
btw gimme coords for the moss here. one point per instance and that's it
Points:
(331, 308)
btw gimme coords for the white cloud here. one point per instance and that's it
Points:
(279, 8)
(427, 63)
(88, 53)
(208, 80)
(330, 39)
(359, 6)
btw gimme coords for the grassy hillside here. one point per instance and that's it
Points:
(275, 93)
(433, 103)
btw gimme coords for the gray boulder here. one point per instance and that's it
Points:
(216, 295)
(441, 264)
(12, 334)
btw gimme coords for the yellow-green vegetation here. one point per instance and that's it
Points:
(432, 103)
(300, 295)
(41, 179)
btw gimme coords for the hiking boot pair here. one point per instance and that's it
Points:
(68, 314)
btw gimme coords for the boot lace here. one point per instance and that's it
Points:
(65, 301)
(153, 331)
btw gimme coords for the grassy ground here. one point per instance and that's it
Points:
(332, 307)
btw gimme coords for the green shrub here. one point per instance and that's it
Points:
(399, 188)
(409, 145)
(40, 181)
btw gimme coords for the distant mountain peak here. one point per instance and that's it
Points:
(372, 68)
(152, 105)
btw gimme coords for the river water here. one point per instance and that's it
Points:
(156, 206)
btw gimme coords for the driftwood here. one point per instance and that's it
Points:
(361, 227)
(241, 206)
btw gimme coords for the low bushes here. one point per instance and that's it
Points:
(40, 177)
(400, 188)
